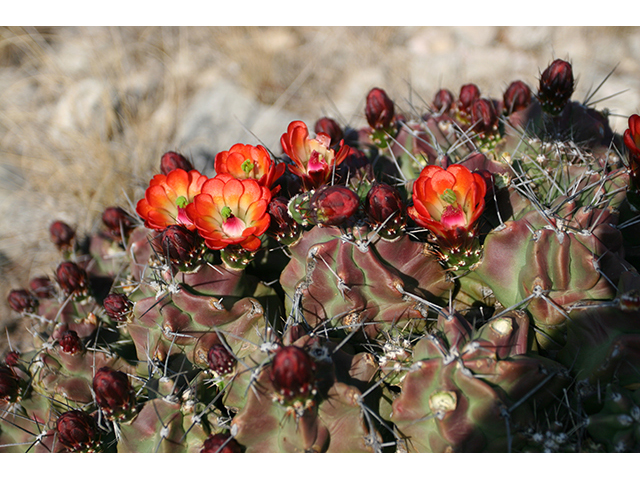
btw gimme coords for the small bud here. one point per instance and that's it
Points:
(484, 117)
(72, 279)
(384, 205)
(330, 127)
(12, 359)
(118, 222)
(8, 385)
(42, 287)
(556, 87)
(517, 97)
(332, 206)
(77, 430)
(171, 161)
(22, 301)
(181, 246)
(62, 235)
(113, 392)
(469, 93)
(293, 374)
(221, 443)
(379, 109)
(282, 226)
(117, 306)
(443, 101)
(221, 361)
(70, 342)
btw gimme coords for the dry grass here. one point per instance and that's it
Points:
(85, 113)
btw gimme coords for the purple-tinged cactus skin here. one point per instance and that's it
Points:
(454, 277)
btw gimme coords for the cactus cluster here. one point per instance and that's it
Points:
(463, 279)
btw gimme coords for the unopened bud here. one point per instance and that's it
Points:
(484, 117)
(181, 246)
(282, 226)
(171, 161)
(70, 342)
(293, 374)
(330, 127)
(443, 101)
(384, 206)
(469, 93)
(42, 287)
(22, 301)
(12, 359)
(8, 385)
(221, 361)
(556, 87)
(77, 430)
(117, 306)
(332, 206)
(517, 97)
(113, 392)
(221, 443)
(379, 109)
(118, 222)
(73, 280)
(62, 235)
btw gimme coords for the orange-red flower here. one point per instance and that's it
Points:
(314, 160)
(632, 141)
(246, 161)
(231, 211)
(448, 202)
(165, 200)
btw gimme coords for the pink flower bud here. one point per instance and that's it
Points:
(221, 443)
(517, 97)
(172, 160)
(62, 235)
(330, 127)
(76, 430)
(333, 205)
(379, 109)
(293, 374)
(22, 301)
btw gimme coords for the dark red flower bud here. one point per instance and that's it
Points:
(221, 361)
(293, 374)
(73, 280)
(484, 117)
(8, 385)
(172, 160)
(62, 235)
(22, 301)
(333, 205)
(117, 306)
(330, 127)
(70, 342)
(469, 93)
(517, 97)
(114, 394)
(379, 109)
(384, 205)
(12, 359)
(181, 246)
(556, 87)
(282, 226)
(118, 222)
(77, 430)
(221, 443)
(42, 287)
(632, 135)
(443, 100)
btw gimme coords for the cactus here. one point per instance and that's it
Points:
(463, 280)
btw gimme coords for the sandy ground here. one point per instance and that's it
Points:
(85, 113)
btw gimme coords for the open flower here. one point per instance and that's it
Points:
(165, 200)
(246, 161)
(314, 160)
(448, 202)
(231, 211)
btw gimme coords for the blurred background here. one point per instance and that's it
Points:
(86, 113)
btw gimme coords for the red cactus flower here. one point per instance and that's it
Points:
(221, 360)
(448, 202)
(632, 142)
(517, 97)
(76, 430)
(333, 205)
(22, 301)
(165, 200)
(221, 443)
(171, 161)
(293, 374)
(70, 342)
(314, 160)
(62, 235)
(114, 394)
(246, 161)
(73, 279)
(330, 127)
(230, 211)
(379, 109)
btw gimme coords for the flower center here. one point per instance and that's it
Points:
(247, 166)
(316, 162)
(182, 201)
(453, 217)
(233, 226)
(448, 196)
